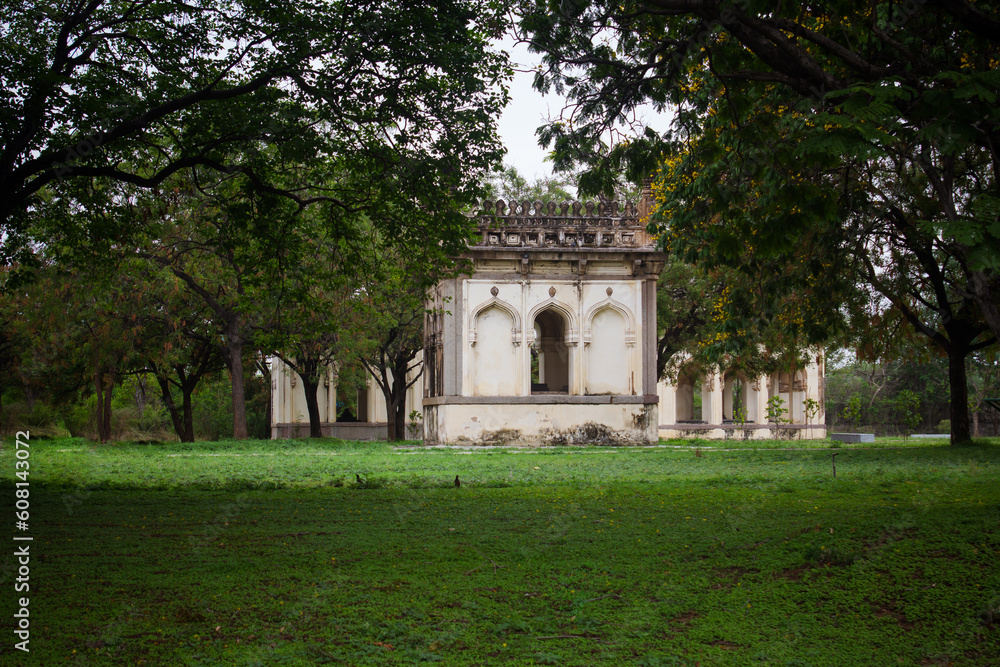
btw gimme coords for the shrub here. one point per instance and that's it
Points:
(852, 411)
(213, 409)
(907, 405)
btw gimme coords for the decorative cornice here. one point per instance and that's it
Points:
(566, 225)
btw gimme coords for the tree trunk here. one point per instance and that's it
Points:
(394, 426)
(395, 404)
(400, 417)
(239, 400)
(109, 386)
(102, 434)
(310, 386)
(232, 352)
(959, 409)
(168, 401)
(188, 412)
(105, 383)
(308, 370)
(140, 395)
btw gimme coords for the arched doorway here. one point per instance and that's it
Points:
(549, 354)
(689, 397)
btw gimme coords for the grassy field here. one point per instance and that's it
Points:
(272, 553)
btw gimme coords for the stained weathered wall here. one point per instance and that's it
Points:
(541, 424)
(493, 367)
(606, 372)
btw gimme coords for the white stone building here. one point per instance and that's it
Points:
(552, 340)
(782, 405)
(290, 416)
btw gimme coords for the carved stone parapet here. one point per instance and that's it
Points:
(575, 209)
(567, 224)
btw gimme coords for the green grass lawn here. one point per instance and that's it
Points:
(271, 553)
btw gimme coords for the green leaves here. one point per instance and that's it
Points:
(136, 92)
(840, 160)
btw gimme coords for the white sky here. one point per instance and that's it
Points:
(528, 109)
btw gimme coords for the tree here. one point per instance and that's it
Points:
(197, 359)
(842, 154)
(390, 305)
(316, 331)
(211, 242)
(510, 185)
(684, 301)
(395, 338)
(180, 344)
(83, 330)
(310, 356)
(130, 92)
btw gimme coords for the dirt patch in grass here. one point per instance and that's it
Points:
(895, 614)
(684, 619)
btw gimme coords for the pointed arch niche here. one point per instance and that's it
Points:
(609, 337)
(494, 332)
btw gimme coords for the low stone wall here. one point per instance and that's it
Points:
(343, 430)
(743, 432)
(853, 437)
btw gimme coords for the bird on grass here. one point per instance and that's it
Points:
(358, 477)
(457, 483)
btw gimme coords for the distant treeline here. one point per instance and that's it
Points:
(900, 397)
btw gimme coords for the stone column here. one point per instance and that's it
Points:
(667, 394)
(331, 395)
(277, 397)
(711, 399)
(647, 334)
(376, 403)
(727, 397)
(760, 389)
